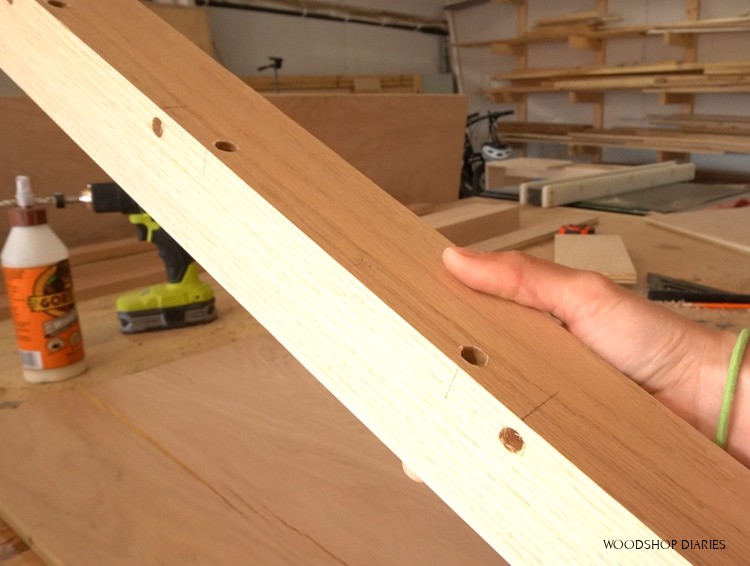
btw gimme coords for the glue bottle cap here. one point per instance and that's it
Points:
(25, 214)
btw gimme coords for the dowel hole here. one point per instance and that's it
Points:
(57, 3)
(158, 127)
(511, 440)
(474, 356)
(225, 145)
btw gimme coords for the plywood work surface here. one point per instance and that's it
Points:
(724, 227)
(234, 456)
(605, 254)
(114, 357)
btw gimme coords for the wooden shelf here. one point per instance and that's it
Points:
(678, 141)
(462, 4)
(666, 77)
(574, 34)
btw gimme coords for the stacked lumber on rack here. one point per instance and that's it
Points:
(704, 123)
(679, 141)
(337, 83)
(584, 29)
(663, 77)
(716, 25)
(557, 28)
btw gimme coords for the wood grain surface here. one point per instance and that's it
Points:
(728, 228)
(233, 456)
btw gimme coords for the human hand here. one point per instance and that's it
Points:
(682, 363)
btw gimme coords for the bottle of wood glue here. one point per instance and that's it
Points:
(40, 294)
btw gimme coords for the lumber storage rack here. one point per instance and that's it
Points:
(444, 376)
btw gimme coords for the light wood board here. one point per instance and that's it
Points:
(367, 307)
(729, 228)
(233, 456)
(534, 232)
(603, 253)
(474, 221)
(556, 192)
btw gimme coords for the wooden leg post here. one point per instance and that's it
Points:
(544, 449)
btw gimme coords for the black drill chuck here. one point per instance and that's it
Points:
(110, 197)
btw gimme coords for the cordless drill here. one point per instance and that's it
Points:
(184, 300)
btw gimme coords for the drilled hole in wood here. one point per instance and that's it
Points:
(157, 127)
(474, 356)
(57, 3)
(225, 145)
(511, 440)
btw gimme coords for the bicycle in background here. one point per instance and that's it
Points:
(472, 171)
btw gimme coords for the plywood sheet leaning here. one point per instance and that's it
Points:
(541, 447)
(554, 192)
(729, 228)
(603, 253)
(473, 221)
(250, 462)
(408, 144)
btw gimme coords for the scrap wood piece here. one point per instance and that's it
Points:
(537, 232)
(470, 220)
(530, 167)
(353, 285)
(555, 192)
(724, 227)
(603, 253)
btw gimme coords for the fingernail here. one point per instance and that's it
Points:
(466, 252)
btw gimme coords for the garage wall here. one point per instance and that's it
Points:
(497, 21)
(244, 40)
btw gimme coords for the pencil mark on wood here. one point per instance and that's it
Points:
(9, 404)
(451, 383)
(535, 409)
(300, 533)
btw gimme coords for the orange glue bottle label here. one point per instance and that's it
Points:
(41, 303)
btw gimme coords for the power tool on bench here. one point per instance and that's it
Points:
(184, 300)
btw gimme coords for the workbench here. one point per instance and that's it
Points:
(114, 358)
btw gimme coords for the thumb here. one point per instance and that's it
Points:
(526, 280)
